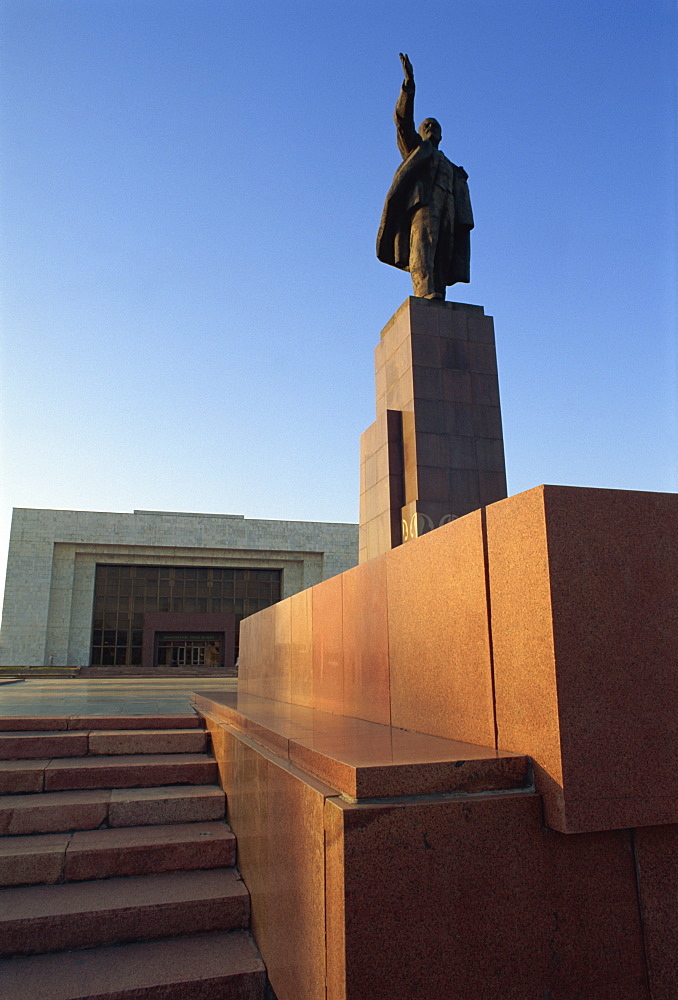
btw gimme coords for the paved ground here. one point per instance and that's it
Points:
(106, 695)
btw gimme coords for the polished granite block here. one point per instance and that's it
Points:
(656, 849)
(281, 665)
(366, 692)
(301, 640)
(473, 898)
(381, 483)
(398, 894)
(583, 589)
(544, 624)
(257, 667)
(328, 646)
(436, 367)
(277, 817)
(440, 669)
(523, 654)
(363, 759)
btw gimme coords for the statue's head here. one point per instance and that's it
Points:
(430, 129)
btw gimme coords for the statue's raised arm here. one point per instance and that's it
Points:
(406, 133)
(408, 83)
(427, 217)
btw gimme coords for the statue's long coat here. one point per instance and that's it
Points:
(412, 187)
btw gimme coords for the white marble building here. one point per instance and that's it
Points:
(53, 555)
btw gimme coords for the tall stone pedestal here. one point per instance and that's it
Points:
(435, 451)
(395, 839)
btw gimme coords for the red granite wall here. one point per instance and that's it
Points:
(545, 624)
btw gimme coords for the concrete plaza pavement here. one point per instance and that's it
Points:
(106, 695)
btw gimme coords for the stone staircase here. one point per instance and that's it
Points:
(117, 875)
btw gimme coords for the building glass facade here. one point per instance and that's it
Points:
(124, 594)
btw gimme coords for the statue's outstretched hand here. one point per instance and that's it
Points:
(408, 71)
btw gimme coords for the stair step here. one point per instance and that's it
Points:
(33, 746)
(19, 776)
(37, 860)
(34, 723)
(99, 854)
(60, 812)
(91, 914)
(53, 812)
(188, 721)
(154, 741)
(169, 804)
(203, 967)
(130, 771)
(75, 743)
(138, 850)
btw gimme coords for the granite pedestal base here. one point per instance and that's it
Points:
(386, 865)
(436, 450)
(380, 865)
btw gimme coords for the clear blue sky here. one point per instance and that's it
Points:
(190, 196)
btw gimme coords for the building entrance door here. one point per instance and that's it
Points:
(188, 649)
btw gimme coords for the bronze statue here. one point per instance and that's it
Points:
(427, 218)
